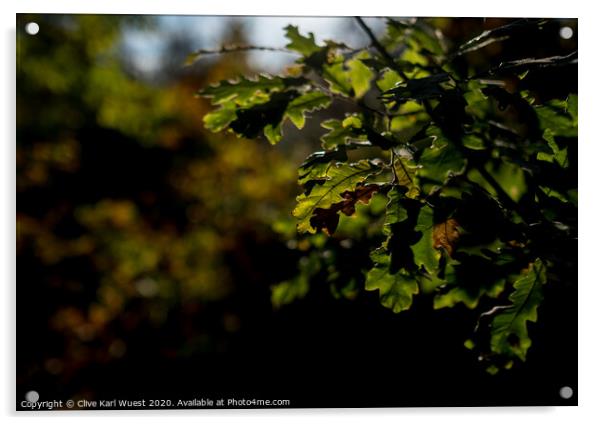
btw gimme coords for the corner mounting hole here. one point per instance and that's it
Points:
(566, 32)
(32, 28)
(566, 392)
(32, 396)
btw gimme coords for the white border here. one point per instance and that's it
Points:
(506, 8)
(590, 182)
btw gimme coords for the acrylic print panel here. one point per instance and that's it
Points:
(261, 212)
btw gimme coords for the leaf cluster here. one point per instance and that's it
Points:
(478, 178)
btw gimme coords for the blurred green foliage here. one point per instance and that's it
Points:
(129, 214)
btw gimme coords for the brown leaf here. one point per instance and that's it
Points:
(328, 218)
(360, 194)
(446, 235)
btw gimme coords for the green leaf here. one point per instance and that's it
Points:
(360, 76)
(438, 163)
(307, 102)
(417, 89)
(469, 280)
(429, 39)
(474, 142)
(416, 34)
(396, 290)
(388, 80)
(247, 92)
(273, 132)
(327, 190)
(288, 291)
(352, 121)
(220, 118)
(395, 211)
(351, 77)
(509, 333)
(269, 116)
(250, 107)
(477, 103)
(315, 167)
(558, 155)
(299, 43)
(341, 132)
(556, 117)
(338, 78)
(265, 117)
(328, 218)
(572, 106)
(406, 170)
(424, 252)
(511, 178)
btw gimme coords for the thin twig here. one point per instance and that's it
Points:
(193, 57)
(392, 165)
(381, 49)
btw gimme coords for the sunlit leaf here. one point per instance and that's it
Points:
(558, 118)
(305, 103)
(360, 75)
(327, 191)
(405, 172)
(220, 118)
(246, 92)
(340, 132)
(300, 43)
(328, 218)
(396, 290)
(388, 80)
(338, 78)
(509, 333)
(425, 253)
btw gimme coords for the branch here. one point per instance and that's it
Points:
(381, 49)
(194, 56)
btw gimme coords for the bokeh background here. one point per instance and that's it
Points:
(147, 247)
